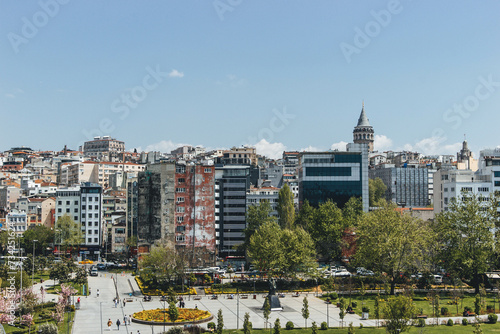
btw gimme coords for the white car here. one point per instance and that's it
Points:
(341, 273)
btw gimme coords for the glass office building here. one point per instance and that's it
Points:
(334, 175)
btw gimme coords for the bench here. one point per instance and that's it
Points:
(197, 298)
(244, 296)
(128, 300)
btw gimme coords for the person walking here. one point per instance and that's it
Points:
(97, 292)
(109, 324)
(118, 323)
(129, 319)
(125, 319)
(124, 302)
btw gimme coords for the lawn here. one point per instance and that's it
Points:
(424, 304)
(57, 288)
(486, 328)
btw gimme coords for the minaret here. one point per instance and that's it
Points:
(363, 132)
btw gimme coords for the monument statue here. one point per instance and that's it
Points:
(274, 301)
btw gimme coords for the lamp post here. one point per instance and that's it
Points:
(33, 262)
(327, 317)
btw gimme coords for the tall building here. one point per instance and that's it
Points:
(83, 204)
(231, 185)
(334, 175)
(407, 187)
(104, 149)
(175, 202)
(363, 132)
(449, 184)
(465, 159)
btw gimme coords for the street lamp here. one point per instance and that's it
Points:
(33, 262)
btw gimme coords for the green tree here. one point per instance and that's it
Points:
(60, 271)
(266, 248)
(477, 304)
(247, 325)
(305, 217)
(43, 235)
(377, 307)
(256, 216)
(327, 230)
(277, 326)
(69, 233)
(163, 262)
(305, 310)
(314, 328)
(477, 326)
(220, 322)
(465, 235)
(266, 311)
(298, 252)
(399, 312)
(173, 312)
(352, 212)
(350, 329)
(390, 242)
(376, 190)
(285, 208)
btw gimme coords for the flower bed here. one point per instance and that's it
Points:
(147, 291)
(158, 316)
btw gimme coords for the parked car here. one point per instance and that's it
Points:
(93, 271)
(101, 266)
(341, 273)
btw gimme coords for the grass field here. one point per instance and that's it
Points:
(486, 328)
(424, 305)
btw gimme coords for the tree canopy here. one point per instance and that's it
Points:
(376, 190)
(466, 237)
(68, 232)
(285, 208)
(392, 242)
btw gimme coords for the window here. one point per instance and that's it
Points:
(75, 218)
(180, 190)
(483, 189)
(90, 231)
(59, 203)
(497, 183)
(180, 199)
(208, 170)
(96, 240)
(67, 210)
(96, 223)
(180, 169)
(96, 215)
(84, 207)
(467, 189)
(67, 202)
(180, 209)
(328, 171)
(89, 240)
(181, 228)
(445, 190)
(496, 173)
(75, 210)
(90, 199)
(76, 202)
(181, 180)
(84, 199)
(96, 207)
(180, 219)
(59, 210)
(180, 238)
(89, 215)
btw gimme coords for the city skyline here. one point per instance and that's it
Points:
(228, 73)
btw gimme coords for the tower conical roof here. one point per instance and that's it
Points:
(363, 120)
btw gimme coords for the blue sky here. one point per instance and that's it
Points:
(279, 74)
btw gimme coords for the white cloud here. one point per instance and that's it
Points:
(270, 150)
(164, 146)
(341, 146)
(11, 96)
(434, 146)
(382, 143)
(176, 74)
(311, 149)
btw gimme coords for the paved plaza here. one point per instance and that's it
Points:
(94, 312)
